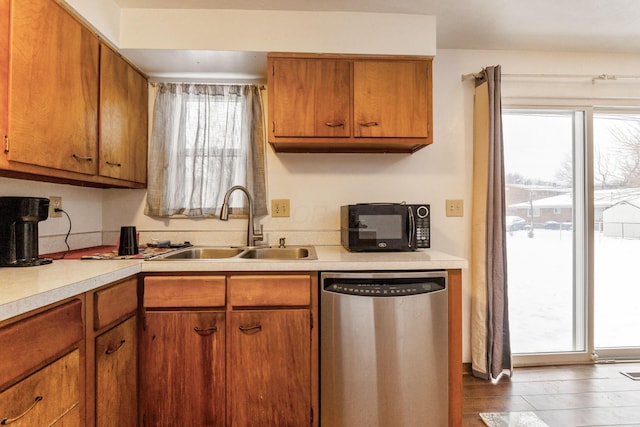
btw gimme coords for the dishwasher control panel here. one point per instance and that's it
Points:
(383, 284)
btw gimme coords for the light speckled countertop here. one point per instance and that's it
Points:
(27, 288)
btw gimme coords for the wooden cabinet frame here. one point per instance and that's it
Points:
(111, 306)
(50, 337)
(349, 103)
(282, 299)
(111, 332)
(49, 99)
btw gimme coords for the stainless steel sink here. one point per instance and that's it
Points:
(200, 253)
(294, 252)
(205, 253)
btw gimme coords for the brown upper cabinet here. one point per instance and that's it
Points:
(123, 119)
(50, 102)
(349, 103)
(53, 89)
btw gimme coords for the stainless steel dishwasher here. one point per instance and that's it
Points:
(384, 349)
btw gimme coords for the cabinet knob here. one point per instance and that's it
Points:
(113, 163)
(369, 124)
(116, 348)
(250, 330)
(86, 159)
(206, 331)
(6, 421)
(335, 124)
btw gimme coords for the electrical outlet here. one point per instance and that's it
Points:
(280, 208)
(55, 203)
(455, 207)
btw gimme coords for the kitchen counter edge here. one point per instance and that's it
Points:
(30, 288)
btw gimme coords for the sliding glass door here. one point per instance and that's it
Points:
(616, 195)
(573, 233)
(543, 151)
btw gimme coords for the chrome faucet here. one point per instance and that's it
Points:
(252, 235)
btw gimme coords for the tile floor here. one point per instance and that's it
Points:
(562, 396)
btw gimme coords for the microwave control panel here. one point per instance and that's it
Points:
(421, 215)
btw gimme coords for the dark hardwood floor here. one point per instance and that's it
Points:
(562, 396)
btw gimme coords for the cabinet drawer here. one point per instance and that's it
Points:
(115, 303)
(184, 291)
(277, 290)
(46, 396)
(33, 341)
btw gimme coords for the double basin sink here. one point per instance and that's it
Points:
(207, 253)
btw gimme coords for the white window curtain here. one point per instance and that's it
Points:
(204, 140)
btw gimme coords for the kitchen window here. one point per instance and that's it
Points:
(204, 140)
(571, 267)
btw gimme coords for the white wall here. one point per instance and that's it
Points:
(102, 15)
(84, 206)
(318, 184)
(271, 31)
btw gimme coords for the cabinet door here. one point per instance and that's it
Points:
(311, 98)
(183, 374)
(123, 119)
(391, 99)
(270, 368)
(138, 107)
(45, 397)
(4, 67)
(53, 103)
(116, 376)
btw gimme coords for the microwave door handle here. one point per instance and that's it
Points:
(412, 227)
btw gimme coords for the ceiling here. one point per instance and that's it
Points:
(611, 26)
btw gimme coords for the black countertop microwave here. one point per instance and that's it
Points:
(369, 227)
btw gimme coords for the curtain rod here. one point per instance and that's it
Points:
(260, 86)
(594, 79)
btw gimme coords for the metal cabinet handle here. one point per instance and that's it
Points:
(335, 124)
(87, 159)
(369, 124)
(116, 348)
(250, 330)
(206, 331)
(6, 421)
(113, 163)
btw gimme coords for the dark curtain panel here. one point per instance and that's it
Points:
(491, 347)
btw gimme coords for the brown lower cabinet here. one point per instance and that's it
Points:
(50, 396)
(116, 379)
(112, 355)
(41, 371)
(229, 350)
(269, 368)
(183, 368)
(216, 350)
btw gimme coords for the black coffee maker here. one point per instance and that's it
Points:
(19, 217)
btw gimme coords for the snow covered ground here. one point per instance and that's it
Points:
(541, 291)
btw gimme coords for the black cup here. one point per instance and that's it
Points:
(128, 241)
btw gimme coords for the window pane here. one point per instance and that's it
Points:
(539, 165)
(617, 229)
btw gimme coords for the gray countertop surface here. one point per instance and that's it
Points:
(27, 288)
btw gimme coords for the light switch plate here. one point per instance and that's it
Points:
(455, 207)
(280, 208)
